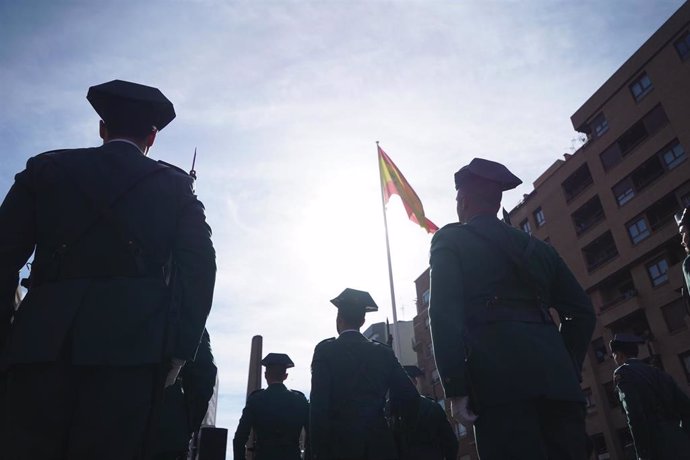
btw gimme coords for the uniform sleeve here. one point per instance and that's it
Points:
(631, 400)
(446, 435)
(446, 321)
(576, 312)
(320, 405)
(195, 272)
(17, 240)
(242, 433)
(404, 397)
(199, 381)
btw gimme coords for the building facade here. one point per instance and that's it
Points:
(608, 209)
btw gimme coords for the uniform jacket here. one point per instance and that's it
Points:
(427, 435)
(658, 411)
(277, 416)
(350, 378)
(480, 352)
(108, 226)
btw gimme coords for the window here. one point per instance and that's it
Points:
(673, 154)
(638, 230)
(539, 217)
(658, 272)
(599, 349)
(589, 399)
(674, 315)
(640, 87)
(624, 191)
(652, 122)
(429, 354)
(600, 124)
(683, 46)
(426, 297)
(611, 156)
(435, 377)
(685, 360)
(524, 225)
(460, 430)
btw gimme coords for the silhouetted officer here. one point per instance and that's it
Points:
(277, 415)
(351, 376)
(491, 290)
(426, 434)
(110, 228)
(658, 410)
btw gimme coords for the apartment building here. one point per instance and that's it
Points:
(608, 209)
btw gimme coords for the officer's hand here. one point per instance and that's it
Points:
(175, 368)
(460, 408)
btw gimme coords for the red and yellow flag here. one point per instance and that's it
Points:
(394, 183)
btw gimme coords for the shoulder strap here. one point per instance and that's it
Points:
(520, 261)
(104, 210)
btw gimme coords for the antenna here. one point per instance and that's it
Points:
(192, 172)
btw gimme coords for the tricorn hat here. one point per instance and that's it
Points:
(354, 300)
(131, 106)
(277, 359)
(486, 171)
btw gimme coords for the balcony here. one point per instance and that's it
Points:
(588, 215)
(629, 294)
(599, 251)
(577, 182)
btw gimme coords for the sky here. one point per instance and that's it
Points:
(284, 102)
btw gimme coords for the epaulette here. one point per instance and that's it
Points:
(176, 168)
(297, 392)
(618, 372)
(255, 392)
(452, 225)
(52, 151)
(381, 343)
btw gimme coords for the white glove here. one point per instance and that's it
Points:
(459, 407)
(175, 368)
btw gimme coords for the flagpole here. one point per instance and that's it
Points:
(396, 336)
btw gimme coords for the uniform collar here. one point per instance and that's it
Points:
(482, 218)
(276, 386)
(127, 141)
(346, 331)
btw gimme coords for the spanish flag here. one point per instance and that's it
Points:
(394, 183)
